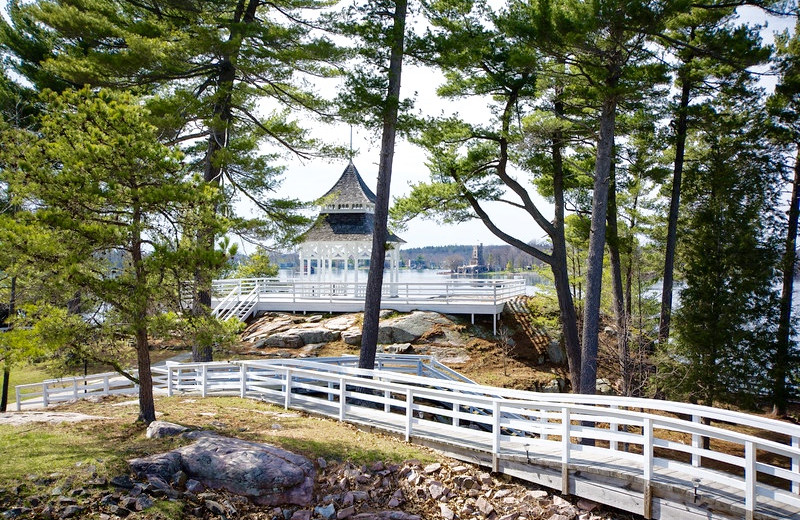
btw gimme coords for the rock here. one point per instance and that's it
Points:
(71, 511)
(16, 512)
(586, 505)
(122, 481)
(537, 494)
(327, 512)
(399, 348)
(161, 429)
(352, 336)
(284, 340)
(555, 353)
(341, 323)
(317, 335)
(347, 512)
(560, 502)
(264, 473)
(143, 502)
(215, 508)
(322, 463)
(436, 490)
(194, 486)
(302, 514)
(162, 465)
(501, 493)
(484, 506)
(432, 468)
(446, 512)
(510, 516)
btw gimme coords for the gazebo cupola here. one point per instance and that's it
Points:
(342, 234)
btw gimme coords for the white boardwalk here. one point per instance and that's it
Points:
(241, 298)
(644, 456)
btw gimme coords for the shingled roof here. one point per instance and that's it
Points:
(347, 212)
(349, 189)
(344, 227)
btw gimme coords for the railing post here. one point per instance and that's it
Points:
(387, 406)
(543, 421)
(169, 379)
(495, 435)
(613, 427)
(647, 452)
(45, 399)
(565, 447)
(750, 479)
(342, 398)
(796, 464)
(75, 388)
(697, 443)
(288, 399)
(204, 380)
(243, 380)
(19, 399)
(409, 413)
(106, 386)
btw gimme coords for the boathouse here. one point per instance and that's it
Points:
(341, 236)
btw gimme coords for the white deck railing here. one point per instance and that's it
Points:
(653, 441)
(228, 292)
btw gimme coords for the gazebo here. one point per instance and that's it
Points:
(342, 233)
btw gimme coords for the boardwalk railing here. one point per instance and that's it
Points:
(54, 391)
(659, 459)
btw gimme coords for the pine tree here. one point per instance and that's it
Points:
(726, 321)
(109, 207)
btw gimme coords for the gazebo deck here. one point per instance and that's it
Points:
(242, 297)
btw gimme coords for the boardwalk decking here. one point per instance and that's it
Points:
(647, 457)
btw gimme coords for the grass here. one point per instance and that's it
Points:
(108, 444)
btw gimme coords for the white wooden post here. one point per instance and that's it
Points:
(750, 479)
(288, 400)
(105, 385)
(19, 399)
(647, 452)
(409, 413)
(75, 388)
(697, 443)
(565, 447)
(243, 380)
(543, 421)
(45, 399)
(387, 407)
(342, 398)
(169, 379)
(203, 381)
(795, 464)
(613, 427)
(456, 411)
(495, 435)
(330, 390)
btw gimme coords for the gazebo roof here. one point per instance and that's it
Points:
(345, 227)
(350, 189)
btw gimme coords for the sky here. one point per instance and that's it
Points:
(308, 180)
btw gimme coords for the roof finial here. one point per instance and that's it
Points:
(351, 143)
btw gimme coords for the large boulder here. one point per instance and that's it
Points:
(411, 327)
(265, 474)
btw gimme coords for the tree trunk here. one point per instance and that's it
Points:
(372, 301)
(566, 305)
(147, 407)
(597, 239)
(780, 390)
(12, 310)
(620, 315)
(674, 206)
(218, 140)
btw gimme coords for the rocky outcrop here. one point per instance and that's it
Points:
(265, 474)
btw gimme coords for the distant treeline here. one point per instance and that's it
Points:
(449, 257)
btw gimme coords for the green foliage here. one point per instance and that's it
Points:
(257, 265)
(726, 322)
